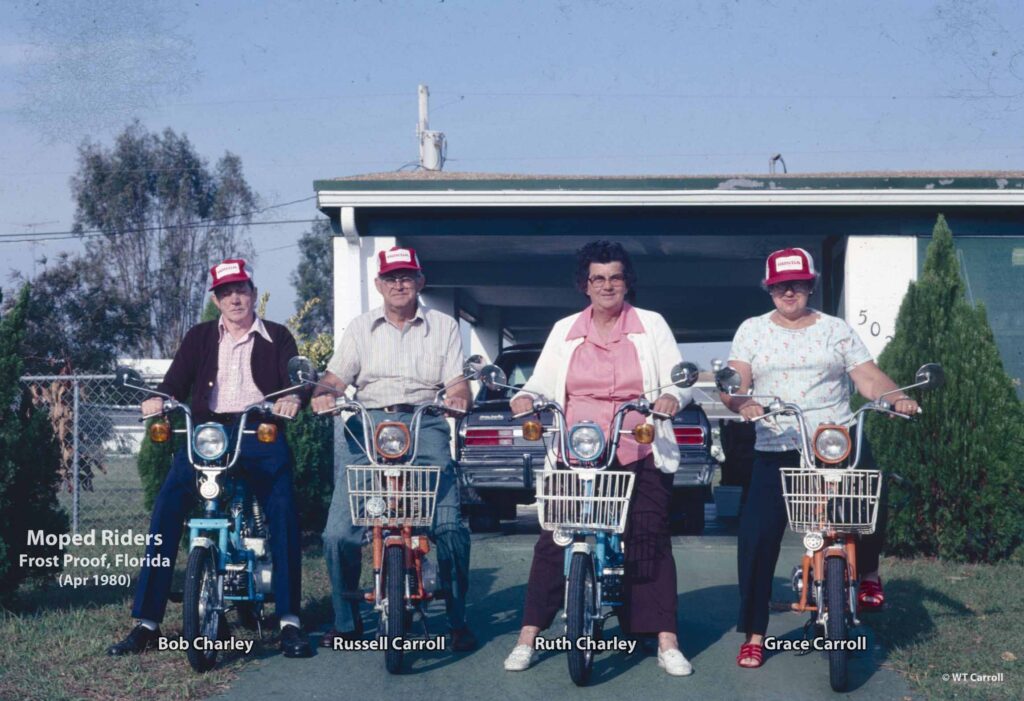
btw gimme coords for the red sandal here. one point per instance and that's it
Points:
(750, 651)
(871, 597)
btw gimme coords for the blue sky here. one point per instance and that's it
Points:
(309, 90)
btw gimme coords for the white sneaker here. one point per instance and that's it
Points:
(520, 659)
(674, 662)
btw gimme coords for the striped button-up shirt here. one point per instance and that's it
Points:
(235, 388)
(388, 365)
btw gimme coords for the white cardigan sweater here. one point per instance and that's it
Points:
(657, 351)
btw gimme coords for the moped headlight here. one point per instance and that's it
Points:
(392, 439)
(210, 441)
(586, 442)
(831, 443)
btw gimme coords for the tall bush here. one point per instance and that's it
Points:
(963, 458)
(311, 437)
(29, 461)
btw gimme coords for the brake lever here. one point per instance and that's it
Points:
(516, 417)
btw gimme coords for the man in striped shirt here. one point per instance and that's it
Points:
(220, 368)
(396, 356)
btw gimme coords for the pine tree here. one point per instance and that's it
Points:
(962, 458)
(29, 461)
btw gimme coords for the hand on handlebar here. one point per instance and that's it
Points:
(751, 411)
(287, 407)
(323, 403)
(907, 407)
(456, 406)
(521, 406)
(666, 406)
(152, 406)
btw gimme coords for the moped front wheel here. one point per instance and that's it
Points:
(394, 607)
(835, 602)
(202, 613)
(580, 605)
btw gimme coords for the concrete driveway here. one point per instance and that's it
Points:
(707, 609)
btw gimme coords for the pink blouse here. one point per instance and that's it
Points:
(604, 373)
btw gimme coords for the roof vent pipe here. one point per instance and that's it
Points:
(433, 148)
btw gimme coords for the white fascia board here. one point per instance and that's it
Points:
(661, 198)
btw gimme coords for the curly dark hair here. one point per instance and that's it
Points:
(605, 252)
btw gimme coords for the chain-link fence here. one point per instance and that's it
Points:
(97, 426)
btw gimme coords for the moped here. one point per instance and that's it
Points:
(830, 502)
(229, 565)
(586, 506)
(395, 498)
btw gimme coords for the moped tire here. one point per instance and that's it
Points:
(200, 607)
(394, 607)
(580, 610)
(835, 601)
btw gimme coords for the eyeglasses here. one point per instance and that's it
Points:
(616, 280)
(396, 280)
(798, 287)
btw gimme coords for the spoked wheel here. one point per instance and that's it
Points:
(580, 612)
(394, 607)
(835, 601)
(202, 611)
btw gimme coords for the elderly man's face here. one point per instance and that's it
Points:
(236, 301)
(399, 288)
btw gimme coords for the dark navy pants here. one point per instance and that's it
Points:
(649, 595)
(267, 469)
(762, 525)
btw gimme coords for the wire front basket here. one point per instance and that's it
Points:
(840, 500)
(589, 500)
(399, 495)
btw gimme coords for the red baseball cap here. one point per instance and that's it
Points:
(230, 270)
(397, 258)
(787, 265)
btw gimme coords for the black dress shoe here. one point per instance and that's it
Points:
(334, 634)
(463, 640)
(294, 642)
(139, 639)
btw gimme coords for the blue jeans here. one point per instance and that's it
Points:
(343, 541)
(267, 467)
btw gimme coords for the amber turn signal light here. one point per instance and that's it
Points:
(266, 433)
(160, 431)
(532, 430)
(643, 433)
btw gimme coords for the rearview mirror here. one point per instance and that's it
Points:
(472, 366)
(931, 375)
(492, 376)
(727, 380)
(127, 377)
(300, 369)
(684, 374)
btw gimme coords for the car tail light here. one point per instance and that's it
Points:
(689, 435)
(488, 436)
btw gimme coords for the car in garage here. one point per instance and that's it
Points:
(497, 463)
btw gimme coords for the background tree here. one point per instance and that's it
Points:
(962, 458)
(29, 460)
(312, 279)
(163, 218)
(77, 322)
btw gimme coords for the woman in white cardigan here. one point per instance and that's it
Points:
(592, 362)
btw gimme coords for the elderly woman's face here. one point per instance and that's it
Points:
(606, 286)
(790, 298)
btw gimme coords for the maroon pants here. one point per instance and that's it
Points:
(650, 586)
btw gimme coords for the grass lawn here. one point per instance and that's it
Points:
(947, 619)
(53, 643)
(941, 619)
